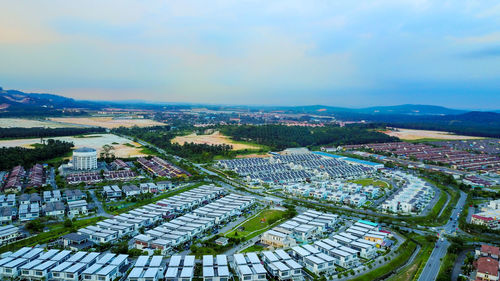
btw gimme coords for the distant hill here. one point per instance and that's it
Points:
(411, 109)
(405, 109)
(13, 103)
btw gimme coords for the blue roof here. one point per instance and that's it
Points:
(368, 222)
(363, 162)
(327, 154)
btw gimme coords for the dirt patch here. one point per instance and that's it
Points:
(410, 134)
(215, 138)
(253, 155)
(31, 123)
(123, 148)
(108, 122)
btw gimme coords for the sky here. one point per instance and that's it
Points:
(339, 53)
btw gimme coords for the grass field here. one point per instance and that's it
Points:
(412, 135)
(106, 122)
(370, 181)
(253, 248)
(215, 138)
(260, 222)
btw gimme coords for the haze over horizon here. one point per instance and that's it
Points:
(381, 52)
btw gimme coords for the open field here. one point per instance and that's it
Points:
(123, 147)
(410, 134)
(261, 221)
(370, 181)
(107, 122)
(215, 138)
(253, 248)
(31, 123)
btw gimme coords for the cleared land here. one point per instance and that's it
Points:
(253, 155)
(410, 134)
(123, 147)
(260, 222)
(31, 123)
(107, 122)
(215, 138)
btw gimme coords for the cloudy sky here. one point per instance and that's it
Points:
(343, 53)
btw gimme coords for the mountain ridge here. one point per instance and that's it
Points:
(15, 100)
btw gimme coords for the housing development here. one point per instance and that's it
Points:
(250, 140)
(294, 214)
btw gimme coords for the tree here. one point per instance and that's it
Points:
(107, 152)
(68, 223)
(34, 226)
(135, 252)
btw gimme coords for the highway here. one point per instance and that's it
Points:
(431, 269)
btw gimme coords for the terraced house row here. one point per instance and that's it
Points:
(128, 224)
(37, 264)
(189, 226)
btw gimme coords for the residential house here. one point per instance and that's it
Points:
(131, 190)
(7, 214)
(74, 195)
(9, 233)
(29, 212)
(52, 196)
(487, 269)
(249, 267)
(54, 209)
(112, 192)
(75, 242)
(77, 208)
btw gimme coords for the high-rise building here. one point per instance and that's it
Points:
(84, 159)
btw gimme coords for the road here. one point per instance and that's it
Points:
(98, 204)
(431, 269)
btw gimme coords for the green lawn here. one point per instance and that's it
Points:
(253, 248)
(58, 160)
(148, 151)
(479, 201)
(260, 222)
(370, 181)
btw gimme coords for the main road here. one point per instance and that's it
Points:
(431, 269)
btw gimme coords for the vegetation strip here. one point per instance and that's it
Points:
(49, 236)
